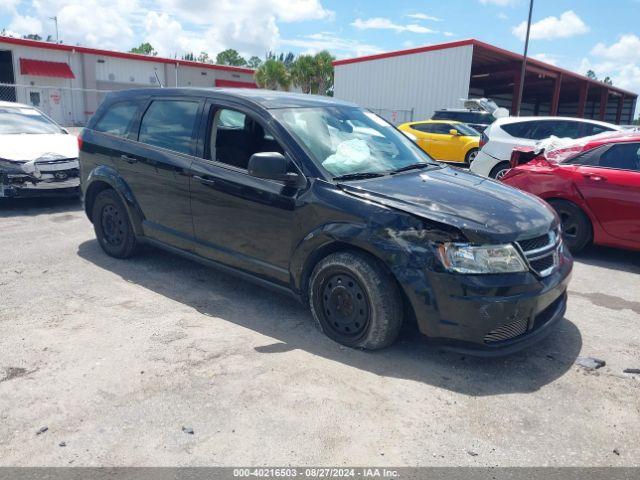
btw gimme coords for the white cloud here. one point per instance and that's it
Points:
(567, 25)
(620, 61)
(381, 23)
(503, 16)
(9, 5)
(423, 16)
(250, 26)
(24, 25)
(339, 46)
(500, 3)
(547, 58)
(448, 34)
(626, 49)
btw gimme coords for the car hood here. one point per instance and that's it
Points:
(484, 210)
(28, 147)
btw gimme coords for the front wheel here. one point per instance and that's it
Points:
(355, 302)
(471, 156)
(577, 232)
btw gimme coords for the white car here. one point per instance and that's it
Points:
(37, 156)
(500, 138)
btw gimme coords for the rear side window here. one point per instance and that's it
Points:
(441, 128)
(519, 129)
(170, 124)
(593, 129)
(118, 118)
(624, 156)
(423, 127)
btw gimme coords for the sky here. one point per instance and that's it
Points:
(575, 34)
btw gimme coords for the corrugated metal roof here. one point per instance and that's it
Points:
(40, 68)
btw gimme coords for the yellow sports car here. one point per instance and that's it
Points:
(445, 140)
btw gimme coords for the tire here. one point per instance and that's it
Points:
(471, 156)
(577, 231)
(354, 301)
(499, 170)
(112, 225)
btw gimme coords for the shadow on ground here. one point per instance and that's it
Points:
(613, 258)
(223, 296)
(17, 207)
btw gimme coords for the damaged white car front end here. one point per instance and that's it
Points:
(37, 156)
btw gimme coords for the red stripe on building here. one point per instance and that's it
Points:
(234, 84)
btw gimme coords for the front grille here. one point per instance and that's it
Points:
(543, 263)
(507, 332)
(534, 243)
(542, 252)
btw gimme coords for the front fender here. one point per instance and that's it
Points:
(108, 175)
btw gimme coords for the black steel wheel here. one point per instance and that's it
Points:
(112, 226)
(345, 305)
(354, 301)
(577, 231)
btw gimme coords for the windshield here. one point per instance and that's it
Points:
(351, 141)
(16, 120)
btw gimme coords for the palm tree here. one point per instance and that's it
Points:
(324, 72)
(272, 75)
(303, 73)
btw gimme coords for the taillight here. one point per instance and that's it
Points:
(483, 140)
(80, 142)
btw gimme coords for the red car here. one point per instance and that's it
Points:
(593, 184)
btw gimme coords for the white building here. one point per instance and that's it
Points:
(411, 84)
(68, 82)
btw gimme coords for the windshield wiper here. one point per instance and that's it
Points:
(360, 175)
(413, 166)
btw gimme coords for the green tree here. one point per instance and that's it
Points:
(230, 57)
(303, 73)
(608, 80)
(254, 62)
(144, 49)
(324, 72)
(189, 56)
(272, 74)
(204, 58)
(32, 36)
(592, 75)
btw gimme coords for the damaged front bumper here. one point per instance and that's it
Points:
(490, 315)
(39, 178)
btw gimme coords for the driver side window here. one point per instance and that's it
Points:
(235, 136)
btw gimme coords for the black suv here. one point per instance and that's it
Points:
(330, 203)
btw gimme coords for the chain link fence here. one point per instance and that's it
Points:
(68, 106)
(395, 116)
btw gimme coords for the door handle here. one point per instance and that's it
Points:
(594, 177)
(204, 181)
(128, 159)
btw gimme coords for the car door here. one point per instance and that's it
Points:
(424, 134)
(155, 164)
(239, 220)
(610, 184)
(442, 141)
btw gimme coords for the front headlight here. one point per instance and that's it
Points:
(465, 258)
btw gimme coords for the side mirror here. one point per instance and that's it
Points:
(272, 166)
(453, 131)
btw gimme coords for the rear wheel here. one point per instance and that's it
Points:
(576, 226)
(112, 226)
(355, 302)
(500, 170)
(471, 155)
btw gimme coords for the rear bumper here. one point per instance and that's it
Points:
(483, 164)
(491, 315)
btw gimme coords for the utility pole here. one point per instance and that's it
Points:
(55, 20)
(524, 60)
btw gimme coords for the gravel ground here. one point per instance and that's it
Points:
(116, 357)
